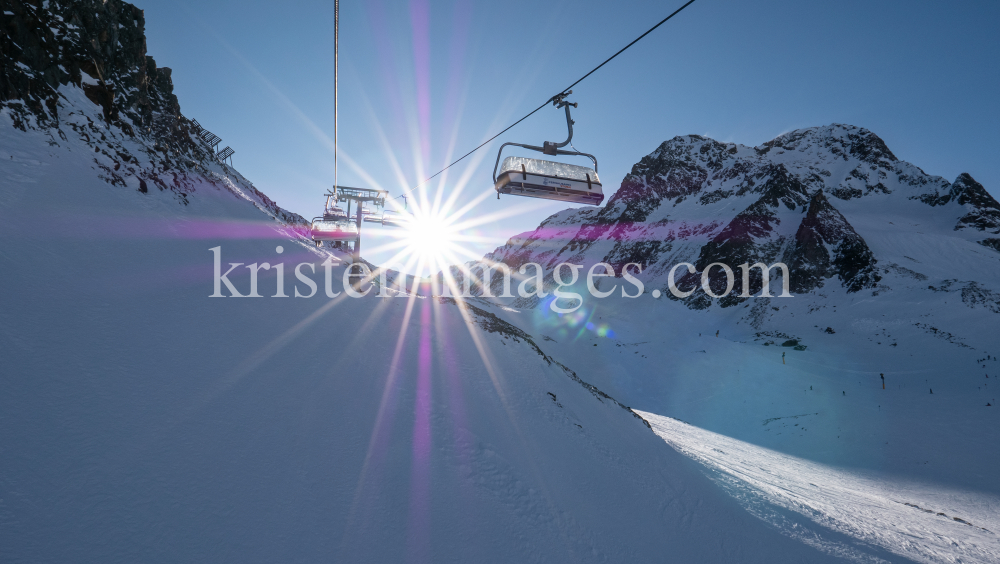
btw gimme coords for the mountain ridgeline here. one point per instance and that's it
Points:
(833, 203)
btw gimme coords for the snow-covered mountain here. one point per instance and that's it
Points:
(142, 420)
(833, 203)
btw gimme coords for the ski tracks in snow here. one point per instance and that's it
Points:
(916, 521)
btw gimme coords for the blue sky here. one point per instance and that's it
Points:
(421, 81)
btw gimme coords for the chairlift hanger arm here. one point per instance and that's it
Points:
(559, 101)
(550, 147)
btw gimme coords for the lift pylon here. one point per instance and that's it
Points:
(360, 196)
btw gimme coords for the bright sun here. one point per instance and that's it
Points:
(433, 233)
(427, 233)
(432, 238)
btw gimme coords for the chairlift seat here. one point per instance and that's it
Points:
(337, 230)
(535, 178)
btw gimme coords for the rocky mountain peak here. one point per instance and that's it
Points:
(693, 168)
(979, 210)
(688, 148)
(966, 191)
(842, 141)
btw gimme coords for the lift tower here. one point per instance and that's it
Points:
(361, 196)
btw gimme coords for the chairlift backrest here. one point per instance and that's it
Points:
(549, 168)
(333, 211)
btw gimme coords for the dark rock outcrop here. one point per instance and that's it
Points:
(991, 243)
(668, 174)
(827, 245)
(984, 211)
(97, 45)
(751, 237)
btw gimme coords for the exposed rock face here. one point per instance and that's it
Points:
(991, 243)
(983, 210)
(854, 142)
(668, 174)
(54, 49)
(753, 236)
(96, 45)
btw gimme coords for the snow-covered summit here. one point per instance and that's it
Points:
(836, 140)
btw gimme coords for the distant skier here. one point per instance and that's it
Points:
(883, 380)
(932, 390)
(845, 394)
(782, 358)
(716, 333)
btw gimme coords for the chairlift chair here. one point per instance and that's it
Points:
(333, 225)
(390, 219)
(370, 216)
(393, 218)
(339, 230)
(537, 178)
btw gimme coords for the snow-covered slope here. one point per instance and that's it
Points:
(817, 498)
(141, 420)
